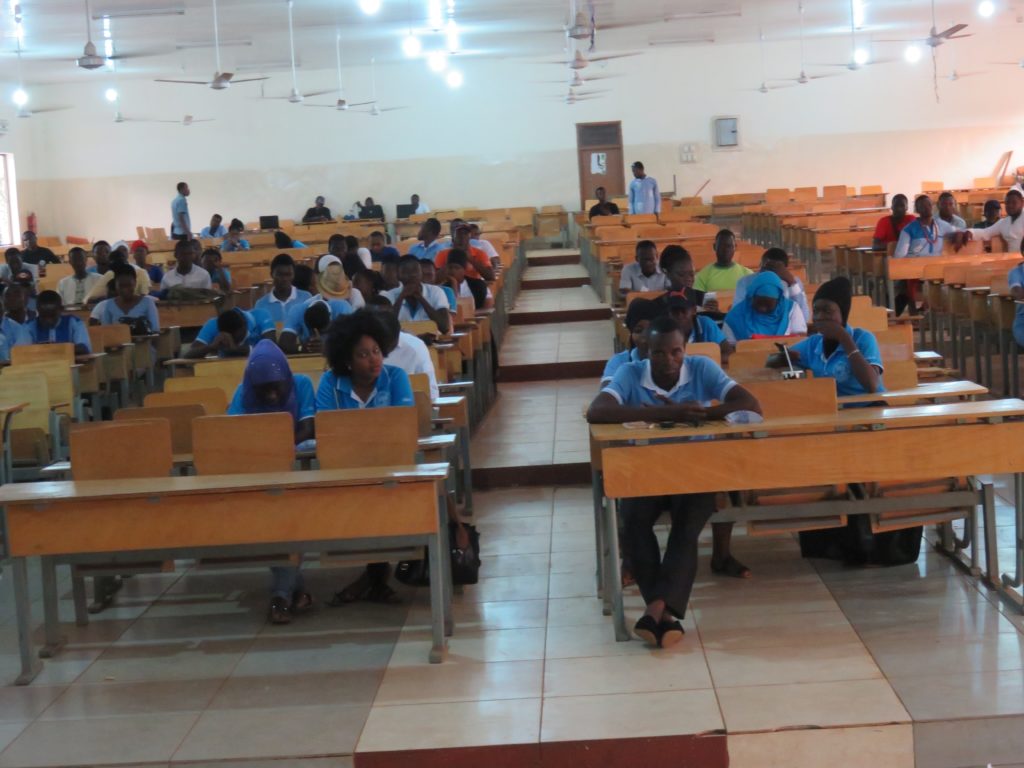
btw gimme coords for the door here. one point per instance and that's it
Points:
(599, 147)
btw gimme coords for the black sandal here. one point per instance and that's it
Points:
(382, 593)
(731, 567)
(671, 633)
(354, 592)
(301, 602)
(279, 612)
(648, 630)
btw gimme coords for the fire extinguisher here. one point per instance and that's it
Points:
(33, 222)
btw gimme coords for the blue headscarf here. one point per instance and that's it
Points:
(267, 364)
(746, 322)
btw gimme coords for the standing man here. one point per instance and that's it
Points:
(644, 196)
(418, 205)
(605, 208)
(181, 222)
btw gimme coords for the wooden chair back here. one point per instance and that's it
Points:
(180, 418)
(740, 362)
(367, 437)
(225, 368)
(212, 399)
(27, 387)
(232, 445)
(766, 345)
(900, 374)
(800, 397)
(104, 337)
(59, 381)
(420, 382)
(424, 413)
(42, 353)
(120, 451)
(705, 349)
(869, 318)
(420, 327)
(633, 295)
(228, 384)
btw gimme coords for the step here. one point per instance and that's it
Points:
(574, 369)
(552, 257)
(559, 305)
(549, 277)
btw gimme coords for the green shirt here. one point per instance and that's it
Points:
(716, 278)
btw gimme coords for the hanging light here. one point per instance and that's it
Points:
(912, 54)
(437, 61)
(411, 46)
(19, 97)
(861, 57)
(986, 8)
(454, 79)
(370, 7)
(111, 95)
(452, 36)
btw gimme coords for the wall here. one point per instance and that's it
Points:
(503, 139)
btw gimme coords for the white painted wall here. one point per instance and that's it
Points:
(502, 139)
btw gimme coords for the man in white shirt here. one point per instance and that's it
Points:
(644, 273)
(75, 287)
(415, 300)
(418, 205)
(409, 353)
(216, 229)
(185, 272)
(644, 196)
(1010, 227)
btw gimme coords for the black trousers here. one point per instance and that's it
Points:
(669, 578)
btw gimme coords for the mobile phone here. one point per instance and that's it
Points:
(666, 425)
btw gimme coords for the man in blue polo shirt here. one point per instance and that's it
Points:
(52, 326)
(429, 246)
(926, 235)
(232, 334)
(306, 323)
(667, 387)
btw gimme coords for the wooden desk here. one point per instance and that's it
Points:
(931, 391)
(170, 517)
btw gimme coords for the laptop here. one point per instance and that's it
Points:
(269, 222)
(405, 210)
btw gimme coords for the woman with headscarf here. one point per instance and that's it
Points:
(765, 312)
(333, 283)
(269, 386)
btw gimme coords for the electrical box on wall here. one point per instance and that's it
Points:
(725, 132)
(688, 154)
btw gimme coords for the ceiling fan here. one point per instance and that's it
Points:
(576, 80)
(803, 79)
(186, 121)
(341, 104)
(221, 80)
(579, 61)
(583, 24)
(374, 110)
(573, 96)
(296, 96)
(22, 103)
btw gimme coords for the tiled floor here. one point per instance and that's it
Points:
(557, 299)
(557, 342)
(555, 272)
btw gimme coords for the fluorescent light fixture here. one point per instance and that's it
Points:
(724, 13)
(191, 44)
(858, 13)
(912, 54)
(19, 97)
(454, 79)
(110, 95)
(986, 8)
(369, 7)
(411, 46)
(435, 15)
(452, 36)
(437, 61)
(138, 13)
(861, 56)
(695, 40)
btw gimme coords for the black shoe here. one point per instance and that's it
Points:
(671, 633)
(648, 630)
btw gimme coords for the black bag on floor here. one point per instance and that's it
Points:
(465, 562)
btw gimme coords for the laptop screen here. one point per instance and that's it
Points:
(269, 222)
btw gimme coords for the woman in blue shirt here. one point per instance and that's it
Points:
(358, 378)
(126, 306)
(638, 317)
(700, 328)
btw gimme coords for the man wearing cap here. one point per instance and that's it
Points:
(333, 282)
(644, 196)
(319, 211)
(33, 253)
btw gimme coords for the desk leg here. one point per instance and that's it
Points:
(613, 580)
(30, 665)
(991, 542)
(51, 617)
(1008, 583)
(467, 471)
(975, 327)
(598, 498)
(435, 553)
(1005, 360)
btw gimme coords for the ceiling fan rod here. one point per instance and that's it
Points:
(291, 44)
(216, 37)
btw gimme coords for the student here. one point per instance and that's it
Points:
(698, 327)
(889, 227)
(304, 278)
(430, 277)
(947, 211)
(333, 282)
(677, 265)
(404, 350)
(231, 334)
(925, 236)
(140, 252)
(990, 213)
(234, 241)
(13, 265)
(835, 350)
(356, 257)
(766, 311)
(1010, 227)
(359, 378)
(667, 387)
(52, 326)
(639, 315)
(215, 229)
(269, 386)
(464, 286)
(13, 334)
(127, 306)
(75, 287)
(319, 211)
(220, 276)
(100, 257)
(16, 304)
(389, 272)
(428, 246)
(185, 273)
(723, 273)
(284, 240)
(643, 274)
(104, 287)
(1016, 281)
(478, 264)
(603, 206)
(306, 324)
(369, 283)
(414, 300)
(33, 253)
(379, 248)
(283, 294)
(777, 260)
(486, 246)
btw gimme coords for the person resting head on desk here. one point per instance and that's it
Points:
(639, 315)
(306, 324)
(837, 351)
(284, 240)
(231, 334)
(668, 387)
(765, 311)
(777, 260)
(269, 386)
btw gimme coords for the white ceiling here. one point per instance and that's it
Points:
(54, 30)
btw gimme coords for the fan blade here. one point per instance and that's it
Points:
(322, 106)
(44, 110)
(137, 54)
(391, 109)
(185, 82)
(204, 120)
(948, 34)
(250, 80)
(608, 57)
(311, 94)
(363, 103)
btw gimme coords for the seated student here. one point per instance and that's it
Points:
(269, 386)
(306, 324)
(765, 312)
(75, 287)
(140, 252)
(698, 327)
(1010, 227)
(677, 266)
(333, 282)
(127, 306)
(835, 350)
(948, 209)
(369, 283)
(379, 247)
(52, 326)
(220, 276)
(777, 260)
(925, 236)
(231, 334)
(478, 265)
(304, 278)
(644, 273)
(889, 228)
(100, 257)
(359, 378)
(283, 295)
(430, 277)
(33, 253)
(723, 273)
(215, 228)
(486, 246)
(415, 300)
(1016, 281)
(639, 315)
(13, 265)
(389, 272)
(464, 286)
(356, 256)
(104, 287)
(16, 304)
(404, 350)
(990, 214)
(429, 245)
(234, 241)
(284, 240)
(668, 386)
(185, 274)
(13, 334)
